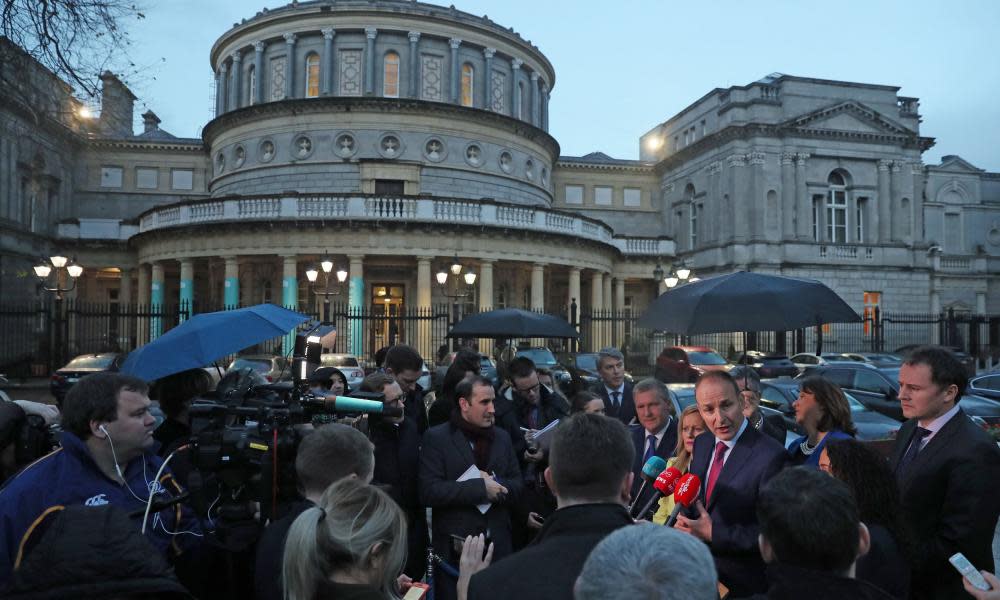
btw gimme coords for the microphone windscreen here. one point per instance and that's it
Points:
(653, 467)
(688, 487)
(348, 404)
(665, 481)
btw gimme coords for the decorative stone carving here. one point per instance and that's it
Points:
(220, 163)
(265, 152)
(506, 161)
(515, 64)
(787, 159)
(800, 159)
(258, 46)
(454, 43)
(897, 166)
(302, 147)
(714, 168)
(430, 77)
(884, 165)
(239, 156)
(545, 177)
(529, 169)
(277, 78)
(390, 146)
(350, 72)
(489, 52)
(414, 36)
(371, 32)
(474, 155)
(917, 168)
(328, 33)
(344, 145)
(737, 160)
(498, 101)
(756, 158)
(435, 150)
(289, 38)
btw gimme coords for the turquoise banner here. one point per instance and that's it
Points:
(356, 299)
(231, 297)
(187, 299)
(290, 300)
(156, 307)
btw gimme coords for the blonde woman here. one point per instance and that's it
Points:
(692, 425)
(350, 546)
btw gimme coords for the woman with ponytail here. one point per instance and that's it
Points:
(350, 546)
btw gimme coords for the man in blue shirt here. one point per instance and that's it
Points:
(107, 457)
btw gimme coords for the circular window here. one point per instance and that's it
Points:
(302, 147)
(529, 169)
(435, 150)
(239, 157)
(265, 152)
(344, 145)
(220, 162)
(506, 161)
(390, 146)
(474, 155)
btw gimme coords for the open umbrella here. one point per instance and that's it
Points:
(508, 323)
(746, 302)
(209, 336)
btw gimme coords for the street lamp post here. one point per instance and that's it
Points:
(454, 292)
(679, 274)
(56, 266)
(327, 267)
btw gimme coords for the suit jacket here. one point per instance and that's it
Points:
(751, 463)
(444, 456)
(511, 415)
(665, 449)
(949, 499)
(774, 426)
(626, 413)
(550, 565)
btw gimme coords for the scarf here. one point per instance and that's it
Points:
(481, 438)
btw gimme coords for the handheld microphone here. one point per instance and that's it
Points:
(663, 486)
(348, 404)
(653, 467)
(688, 488)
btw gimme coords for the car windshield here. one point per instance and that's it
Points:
(685, 397)
(539, 356)
(706, 358)
(260, 365)
(339, 360)
(91, 362)
(587, 362)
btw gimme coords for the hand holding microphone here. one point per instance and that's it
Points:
(664, 485)
(653, 467)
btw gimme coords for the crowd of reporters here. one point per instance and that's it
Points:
(584, 510)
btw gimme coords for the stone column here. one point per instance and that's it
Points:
(290, 293)
(596, 307)
(883, 202)
(142, 322)
(739, 197)
(488, 78)
(222, 91)
(258, 69)
(606, 296)
(156, 302)
(486, 285)
(935, 310)
(534, 98)
(896, 221)
(125, 304)
(620, 309)
(231, 286)
(756, 203)
(545, 106)
(455, 70)
(515, 89)
(574, 294)
(370, 34)
(538, 286)
(218, 93)
(125, 287)
(326, 68)
(788, 195)
(917, 170)
(356, 303)
(414, 91)
(235, 79)
(186, 297)
(803, 203)
(424, 341)
(290, 65)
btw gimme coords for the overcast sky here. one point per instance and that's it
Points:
(623, 67)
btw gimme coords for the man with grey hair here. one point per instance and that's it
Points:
(613, 388)
(656, 434)
(772, 425)
(650, 562)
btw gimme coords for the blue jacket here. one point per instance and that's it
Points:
(796, 457)
(70, 476)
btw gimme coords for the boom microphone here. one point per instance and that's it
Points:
(688, 487)
(357, 405)
(653, 467)
(663, 486)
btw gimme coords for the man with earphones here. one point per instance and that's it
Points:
(107, 456)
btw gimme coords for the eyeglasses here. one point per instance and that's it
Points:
(532, 390)
(397, 401)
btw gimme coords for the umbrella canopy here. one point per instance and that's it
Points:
(209, 336)
(513, 323)
(746, 302)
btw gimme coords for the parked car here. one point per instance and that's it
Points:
(683, 364)
(487, 368)
(967, 360)
(987, 386)
(871, 425)
(271, 367)
(768, 365)
(543, 358)
(881, 360)
(585, 365)
(85, 364)
(878, 389)
(682, 396)
(348, 365)
(807, 360)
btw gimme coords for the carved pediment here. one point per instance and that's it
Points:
(956, 164)
(850, 116)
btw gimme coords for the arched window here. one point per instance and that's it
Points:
(836, 208)
(252, 76)
(312, 75)
(390, 77)
(468, 84)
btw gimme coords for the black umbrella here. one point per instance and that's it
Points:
(746, 302)
(513, 323)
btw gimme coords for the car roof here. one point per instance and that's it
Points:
(693, 348)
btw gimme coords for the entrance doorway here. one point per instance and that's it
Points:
(388, 304)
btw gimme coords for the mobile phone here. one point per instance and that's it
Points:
(963, 566)
(417, 591)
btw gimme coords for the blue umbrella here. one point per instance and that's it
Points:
(209, 336)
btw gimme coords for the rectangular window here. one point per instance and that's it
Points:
(182, 179)
(389, 187)
(815, 219)
(111, 177)
(859, 219)
(836, 216)
(602, 195)
(694, 225)
(871, 302)
(146, 178)
(953, 233)
(703, 128)
(633, 197)
(574, 194)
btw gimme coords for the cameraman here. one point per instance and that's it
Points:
(24, 435)
(330, 453)
(107, 457)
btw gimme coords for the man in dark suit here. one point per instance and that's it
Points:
(612, 388)
(748, 381)
(734, 461)
(406, 366)
(448, 452)
(947, 469)
(589, 471)
(656, 434)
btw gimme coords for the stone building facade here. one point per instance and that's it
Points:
(395, 136)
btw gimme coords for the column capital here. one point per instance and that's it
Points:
(224, 68)
(515, 64)
(489, 52)
(237, 56)
(917, 168)
(289, 38)
(884, 165)
(487, 261)
(328, 33)
(756, 158)
(371, 32)
(534, 76)
(575, 270)
(897, 166)
(414, 36)
(454, 43)
(737, 160)
(539, 265)
(545, 87)
(258, 46)
(801, 158)
(787, 159)
(425, 260)
(355, 257)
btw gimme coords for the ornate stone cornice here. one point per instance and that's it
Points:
(193, 146)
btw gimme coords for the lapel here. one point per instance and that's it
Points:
(903, 439)
(738, 457)
(703, 445)
(669, 441)
(464, 449)
(940, 440)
